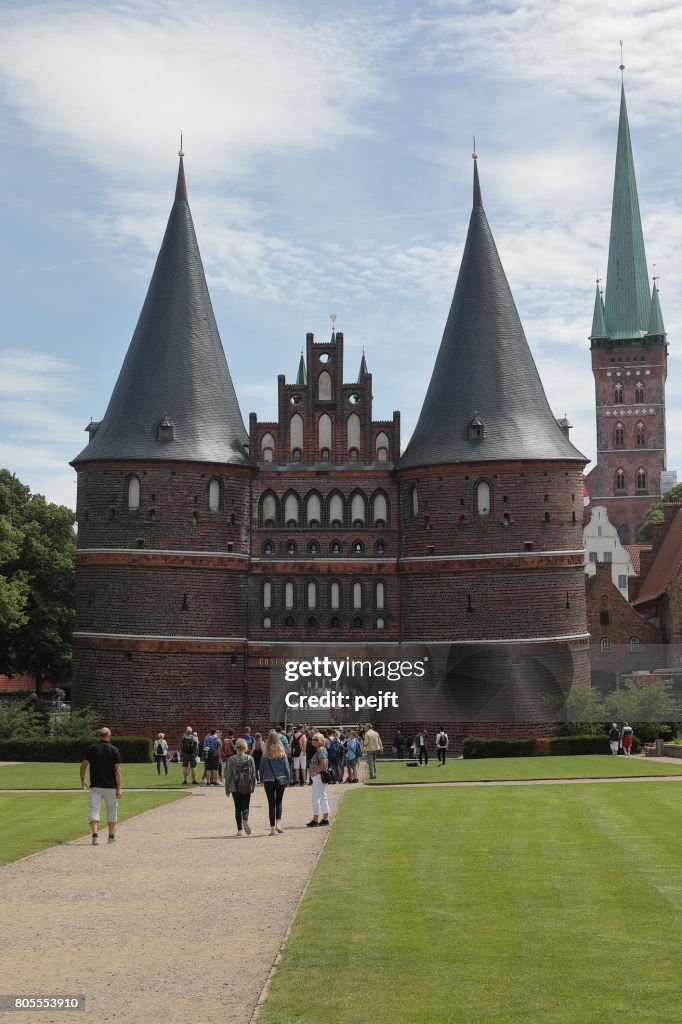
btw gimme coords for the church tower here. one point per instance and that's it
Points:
(629, 363)
(490, 490)
(163, 515)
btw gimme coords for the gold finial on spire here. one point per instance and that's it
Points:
(621, 66)
(181, 151)
(474, 155)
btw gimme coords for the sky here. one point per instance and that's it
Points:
(328, 161)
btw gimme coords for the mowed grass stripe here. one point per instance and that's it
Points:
(503, 769)
(31, 822)
(59, 775)
(541, 905)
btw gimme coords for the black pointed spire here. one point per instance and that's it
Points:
(175, 367)
(485, 400)
(478, 200)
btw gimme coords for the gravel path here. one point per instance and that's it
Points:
(178, 921)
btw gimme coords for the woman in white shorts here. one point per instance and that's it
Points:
(318, 763)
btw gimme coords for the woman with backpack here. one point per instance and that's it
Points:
(240, 781)
(321, 776)
(161, 753)
(274, 770)
(335, 755)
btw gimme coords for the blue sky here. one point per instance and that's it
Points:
(329, 170)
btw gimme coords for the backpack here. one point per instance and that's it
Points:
(159, 748)
(352, 748)
(187, 744)
(335, 749)
(243, 777)
(441, 740)
(296, 746)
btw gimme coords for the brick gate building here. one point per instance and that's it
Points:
(206, 552)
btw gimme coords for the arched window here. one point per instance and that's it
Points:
(414, 499)
(312, 622)
(324, 432)
(215, 495)
(267, 622)
(620, 479)
(353, 428)
(267, 448)
(268, 548)
(291, 510)
(289, 595)
(380, 547)
(634, 644)
(324, 387)
(267, 594)
(641, 479)
(313, 513)
(334, 595)
(336, 509)
(268, 509)
(314, 547)
(357, 595)
(291, 547)
(335, 547)
(618, 394)
(483, 498)
(357, 622)
(325, 454)
(296, 454)
(639, 393)
(380, 595)
(289, 622)
(380, 622)
(382, 446)
(295, 432)
(618, 436)
(312, 595)
(505, 519)
(605, 645)
(357, 508)
(640, 435)
(133, 493)
(358, 547)
(334, 622)
(379, 508)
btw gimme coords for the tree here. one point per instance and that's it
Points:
(641, 701)
(655, 512)
(580, 713)
(37, 583)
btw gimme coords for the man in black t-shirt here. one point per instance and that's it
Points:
(105, 782)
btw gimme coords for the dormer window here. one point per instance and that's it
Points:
(165, 430)
(476, 429)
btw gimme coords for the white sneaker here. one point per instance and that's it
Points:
(240, 835)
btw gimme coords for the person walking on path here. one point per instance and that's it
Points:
(614, 738)
(626, 734)
(240, 782)
(442, 743)
(189, 749)
(422, 740)
(257, 754)
(212, 749)
(299, 745)
(373, 746)
(104, 760)
(318, 765)
(274, 769)
(161, 753)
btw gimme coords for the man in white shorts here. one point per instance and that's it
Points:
(105, 782)
(298, 752)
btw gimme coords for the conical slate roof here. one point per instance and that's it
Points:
(485, 401)
(598, 322)
(174, 397)
(627, 279)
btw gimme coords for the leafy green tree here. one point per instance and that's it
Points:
(37, 583)
(20, 722)
(639, 701)
(580, 713)
(655, 512)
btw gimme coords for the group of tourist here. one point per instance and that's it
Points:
(417, 747)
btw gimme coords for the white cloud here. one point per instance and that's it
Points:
(114, 84)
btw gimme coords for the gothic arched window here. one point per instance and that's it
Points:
(357, 595)
(215, 495)
(296, 432)
(618, 394)
(353, 427)
(324, 432)
(267, 448)
(324, 387)
(640, 435)
(380, 595)
(414, 499)
(336, 509)
(483, 498)
(313, 510)
(379, 508)
(267, 594)
(618, 436)
(334, 595)
(641, 479)
(289, 594)
(133, 495)
(291, 509)
(639, 393)
(620, 479)
(312, 595)
(268, 509)
(357, 508)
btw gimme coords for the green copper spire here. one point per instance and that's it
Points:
(627, 284)
(302, 377)
(598, 322)
(655, 315)
(363, 368)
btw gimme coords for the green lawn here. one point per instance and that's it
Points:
(583, 766)
(524, 905)
(31, 822)
(54, 775)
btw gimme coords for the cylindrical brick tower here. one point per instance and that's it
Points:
(492, 561)
(163, 517)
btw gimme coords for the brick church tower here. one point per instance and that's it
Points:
(163, 515)
(491, 498)
(629, 362)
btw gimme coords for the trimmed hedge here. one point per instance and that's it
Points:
(474, 747)
(134, 749)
